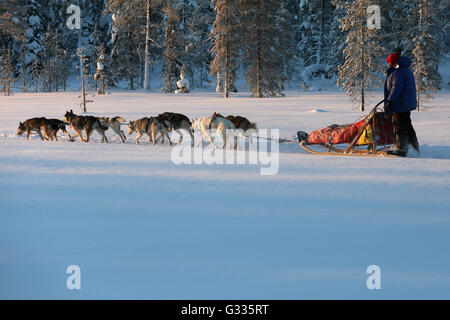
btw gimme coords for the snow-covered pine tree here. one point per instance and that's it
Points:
(127, 55)
(363, 52)
(35, 73)
(84, 76)
(226, 43)
(54, 61)
(129, 39)
(336, 41)
(172, 46)
(12, 16)
(425, 48)
(198, 47)
(48, 54)
(267, 38)
(13, 26)
(148, 11)
(6, 72)
(395, 26)
(185, 35)
(444, 17)
(296, 63)
(287, 43)
(96, 26)
(314, 30)
(99, 75)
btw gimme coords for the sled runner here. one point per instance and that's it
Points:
(370, 137)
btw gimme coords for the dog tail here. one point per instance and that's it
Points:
(120, 119)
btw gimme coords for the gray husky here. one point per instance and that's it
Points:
(150, 126)
(176, 122)
(140, 126)
(114, 124)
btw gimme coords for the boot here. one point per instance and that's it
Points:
(402, 146)
(412, 137)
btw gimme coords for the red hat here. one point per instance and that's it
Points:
(393, 58)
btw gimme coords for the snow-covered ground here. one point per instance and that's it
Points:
(140, 226)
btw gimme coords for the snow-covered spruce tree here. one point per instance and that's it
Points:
(226, 43)
(265, 38)
(12, 17)
(425, 49)
(395, 24)
(129, 39)
(185, 35)
(172, 46)
(337, 41)
(97, 26)
(199, 44)
(296, 63)
(6, 72)
(13, 34)
(35, 74)
(48, 55)
(444, 17)
(128, 43)
(363, 52)
(84, 76)
(99, 75)
(54, 61)
(315, 20)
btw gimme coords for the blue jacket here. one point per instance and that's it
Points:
(400, 87)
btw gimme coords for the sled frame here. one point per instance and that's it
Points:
(373, 149)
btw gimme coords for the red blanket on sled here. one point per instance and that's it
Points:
(336, 134)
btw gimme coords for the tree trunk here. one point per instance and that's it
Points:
(24, 71)
(83, 89)
(363, 69)
(81, 59)
(322, 22)
(362, 108)
(226, 84)
(147, 51)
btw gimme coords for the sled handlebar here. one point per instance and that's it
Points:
(374, 108)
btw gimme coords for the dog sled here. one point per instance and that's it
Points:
(371, 137)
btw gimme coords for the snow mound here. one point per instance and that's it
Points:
(318, 110)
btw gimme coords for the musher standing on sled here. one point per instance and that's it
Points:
(400, 99)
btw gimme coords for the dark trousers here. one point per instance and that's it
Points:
(404, 131)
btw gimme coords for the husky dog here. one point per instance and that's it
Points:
(52, 126)
(176, 122)
(34, 124)
(114, 124)
(150, 126)
(218, 123)
(159, 127)
(238, 121)
(140, 126)
(86, 123)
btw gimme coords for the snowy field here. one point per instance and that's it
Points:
(142, 227)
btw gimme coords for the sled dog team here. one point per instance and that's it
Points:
(154, 127)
